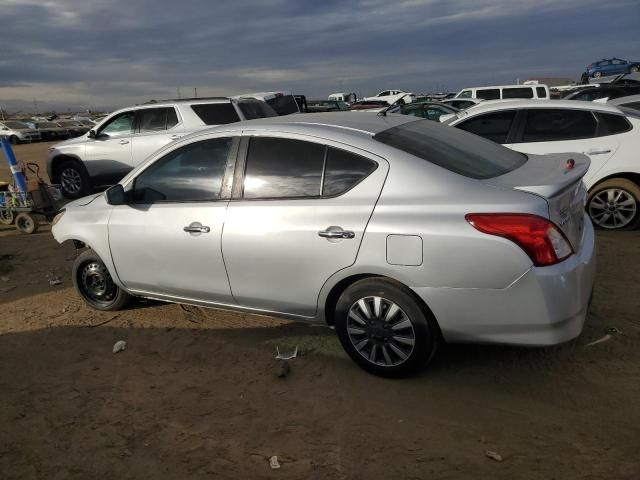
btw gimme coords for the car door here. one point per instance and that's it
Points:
(558, 130)
(154, 128)
(165, 241)
(300, 209)
(108, 154)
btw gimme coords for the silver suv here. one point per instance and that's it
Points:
(125, 138)
(399, 232)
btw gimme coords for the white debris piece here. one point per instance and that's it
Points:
(286, 356)
(273, 463)
(119, 346)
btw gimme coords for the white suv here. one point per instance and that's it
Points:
(608, 135)
(125, 138)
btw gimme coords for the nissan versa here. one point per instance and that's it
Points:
(400, 232)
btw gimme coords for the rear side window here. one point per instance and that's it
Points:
(453, 149)
(541, 92)
(156, 119)
(189, 174)
(525, 92)
(283, 104)
(492, 126)
(488, 93)
(216, 113)
(252, 109)
(344, 170)
(555, 124)
(283, 168)
(614, 124)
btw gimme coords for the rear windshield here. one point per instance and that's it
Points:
(252, 109)
(451, 148)
(284, 104)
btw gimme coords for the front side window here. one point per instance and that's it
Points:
(191, 173)
(283, 168)
(434, 113)
(541, 92)
(525, 92)
(492, 126)
(156, 119)
(216, 113)
(252, 109)
(488, 93)
(555, 124)
(119, 125)
(465, 94)
(415, 111)
(284, 104)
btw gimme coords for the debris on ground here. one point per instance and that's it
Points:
(611, 331)
(273, 463)
(4, 279)
(493, 455)
(283, 369)
(54, 279)
(286, 356)
(119, 346)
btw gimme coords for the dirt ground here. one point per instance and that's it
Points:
(195, 393)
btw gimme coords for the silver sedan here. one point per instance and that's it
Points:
(401, 233)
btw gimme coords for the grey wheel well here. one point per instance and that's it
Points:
(342, 285)
(59, 160)
(633, 177)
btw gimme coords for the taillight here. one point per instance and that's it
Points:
(538, 237)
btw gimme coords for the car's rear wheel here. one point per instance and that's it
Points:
(384, 329)
(615, 204)
(26, 223)
(73, 179)
(634, 69)
(93, 282)
(597, 74)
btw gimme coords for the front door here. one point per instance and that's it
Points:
(109, 153)
(298, 217)
(166, 240)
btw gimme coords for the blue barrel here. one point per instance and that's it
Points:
(21, 183)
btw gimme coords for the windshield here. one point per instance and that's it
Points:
(68, 124)
(284, 104)
(456, 150)
(252, 109)
(15, 125)
(46, 125)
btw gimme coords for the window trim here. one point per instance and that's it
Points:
(241, 166)
(225, 190)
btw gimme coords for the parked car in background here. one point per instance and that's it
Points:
(51, 131)
(344, 97)
(125, 138)
(504, 92)
(631, 101)
(18, 132)
(284, 103)
(397, 231)
(326, 106)
(611, 66)
(608, 135)
(462, 103)
(392, 96)
(74, 128)
(429, 110)
(369, 105)
(607, 90)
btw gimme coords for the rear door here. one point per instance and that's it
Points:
(300, 209)
(557, 130)
(154, 128)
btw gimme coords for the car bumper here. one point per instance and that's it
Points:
(545, 306)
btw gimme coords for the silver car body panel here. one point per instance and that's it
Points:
(408, 219)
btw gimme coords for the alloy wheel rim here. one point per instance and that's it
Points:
(71, 180)
(380, 331)
(613, 208)
(96, 283)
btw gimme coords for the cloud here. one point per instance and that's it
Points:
(79, 54)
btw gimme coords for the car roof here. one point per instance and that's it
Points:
(622, 100)
(506, 86)
(497, 105)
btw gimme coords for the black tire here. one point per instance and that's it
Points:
(634, 69)
(26, 223)
(6, 217)
(423, 330)
(14, 140)
(599, 194)
(73, 179)
(93, 282)
(597, 74)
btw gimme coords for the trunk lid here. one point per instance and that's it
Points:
(549, 177)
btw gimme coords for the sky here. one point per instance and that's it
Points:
(101, 55)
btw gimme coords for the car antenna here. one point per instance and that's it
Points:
(383, 112)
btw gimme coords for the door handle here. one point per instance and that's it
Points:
(124, 142)
(196, 227)
(336, 234)
(597, 151)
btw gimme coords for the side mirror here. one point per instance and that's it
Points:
(92, 133)
(116, 195)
